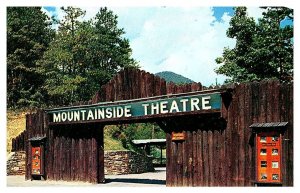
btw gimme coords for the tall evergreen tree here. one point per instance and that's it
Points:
(109, 51)
(28, 36)
(262, 50)
(83, 56)
(59, 64)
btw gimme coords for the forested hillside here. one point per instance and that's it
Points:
(173, 77)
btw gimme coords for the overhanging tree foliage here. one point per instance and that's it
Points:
(28, 36)
(262, 50)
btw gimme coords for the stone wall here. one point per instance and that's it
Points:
(115, 162)
(16, 163)
(126, 162)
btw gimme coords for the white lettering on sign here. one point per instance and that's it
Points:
(127, 111)
(145, 108)
(101, 113)
(90, 115)
(163, 107)
(108, 113)
(154, 108)
(184, 101)
(205, 103)
(119, 112)
(174, 107)
(64, 116)
(76, 116)
(70, 116)
(148, 108)
(56, 117)
(194, 104)
(83, 114)
(114, 112)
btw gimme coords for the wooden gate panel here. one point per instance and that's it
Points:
(75, 153)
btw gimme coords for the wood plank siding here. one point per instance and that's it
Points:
(219, 149)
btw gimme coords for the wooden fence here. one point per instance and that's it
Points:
(218, 150)
(18, 143)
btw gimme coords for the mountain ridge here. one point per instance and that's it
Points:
(170, 76)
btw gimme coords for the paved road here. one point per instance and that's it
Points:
(150, 179)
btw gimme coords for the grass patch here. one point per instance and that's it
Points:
(16, 124)
(109, 142)
(112, 144)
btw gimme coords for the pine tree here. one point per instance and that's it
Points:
(83, 56)
(28, 36)
(60, 63)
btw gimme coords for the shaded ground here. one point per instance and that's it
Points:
(150, 179)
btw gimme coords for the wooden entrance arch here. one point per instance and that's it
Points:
(218, 147)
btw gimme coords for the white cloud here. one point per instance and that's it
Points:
(185, 41)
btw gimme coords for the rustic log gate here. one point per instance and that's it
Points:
(219, 147)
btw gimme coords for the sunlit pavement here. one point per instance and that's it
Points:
(150, 179)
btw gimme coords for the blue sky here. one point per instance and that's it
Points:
(218, 12)
(185, 40)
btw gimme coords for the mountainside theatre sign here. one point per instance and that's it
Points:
(137, 108)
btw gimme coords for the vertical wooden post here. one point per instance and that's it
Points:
(100, 153)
